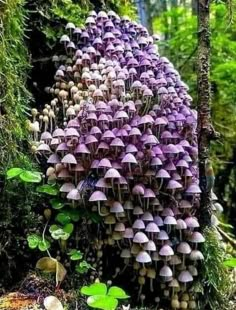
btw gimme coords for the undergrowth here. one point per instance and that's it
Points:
(14, 97)
(215, 284)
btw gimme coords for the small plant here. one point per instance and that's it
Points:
(81, 267)
(37, 242)
(230, 263)
(102, 297)
(27, 176)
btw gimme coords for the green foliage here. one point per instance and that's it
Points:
(101, 297)
(178, 27)
(231, 263)
(26, 176)
(36, 241)
(215, 278)
(14, 97)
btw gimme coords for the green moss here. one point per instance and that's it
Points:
(14, 97)
(215, 283)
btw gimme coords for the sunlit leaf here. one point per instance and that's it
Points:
(33, 241)
(47, 189)
(117, 292)
(59, 234)
(30, 176)
(52, 303)
(44, 245)
(102, 302)
(230, 263)
(13, 172)
(94, 289)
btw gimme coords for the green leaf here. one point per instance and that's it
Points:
(83, 267)
(63, 218)
(30, 176)
(102, 302)
(57, 204)
(44, 245)
(47, 189)
(76, 256)
(94, 289)
(230, 263)
(33, 241)
(117, 292)
(74, 214)
(53, 227)
(68, 228)
(13, 172)
(59, 234)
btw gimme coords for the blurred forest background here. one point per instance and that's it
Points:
(29, 35)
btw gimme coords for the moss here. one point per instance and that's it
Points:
(215, 280)
(14, 97)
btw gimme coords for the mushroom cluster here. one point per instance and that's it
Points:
(121, 114)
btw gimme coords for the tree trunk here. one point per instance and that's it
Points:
(205, 129)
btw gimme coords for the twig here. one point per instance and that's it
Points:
(227, 237)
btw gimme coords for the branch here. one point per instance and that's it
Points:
(226, 237)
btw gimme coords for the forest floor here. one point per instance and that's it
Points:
(30, 293)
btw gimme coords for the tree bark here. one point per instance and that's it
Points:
(205, 129)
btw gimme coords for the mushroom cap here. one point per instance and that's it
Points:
(67, 187)
(69, 159)
(140, 237)
(165, 271)
(143, 257)
(116, 207)
(74, 195)
(197, 237)
(138, 224)
(152, 228)
(184, 248)
(112, 174)
(98, 196)
(166, 250)
(185, 276)
(128, 234)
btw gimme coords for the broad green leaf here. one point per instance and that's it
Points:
(30, 176)
(230, 263)
(74, 214)
(33, 241)
(13, 172)
(94, 289)
(47, 189)
(102, 302)
(117, 292)
(44, 245)
(68, 228)
(57, 204)
(60, 234)
(63, 218)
